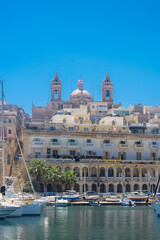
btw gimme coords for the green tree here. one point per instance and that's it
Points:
(38, 169)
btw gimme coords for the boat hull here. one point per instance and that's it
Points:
(32, 210)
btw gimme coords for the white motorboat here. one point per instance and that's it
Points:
(70, 195)
(61, 202)
(127, 202)
(91, 196)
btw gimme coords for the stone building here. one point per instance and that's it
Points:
(107, 161)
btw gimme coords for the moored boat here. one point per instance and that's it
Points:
(136, 196)
(61, 202)
(91, 196)
(92, 203)
(127, 202)
(70, 195)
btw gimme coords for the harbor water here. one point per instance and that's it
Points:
(84, 223)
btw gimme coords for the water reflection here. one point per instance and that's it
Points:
(84, 223)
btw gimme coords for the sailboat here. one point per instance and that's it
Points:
(16, 208)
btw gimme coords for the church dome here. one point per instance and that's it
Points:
(80, 93)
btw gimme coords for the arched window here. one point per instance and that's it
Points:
(55, 94)
(107, 94)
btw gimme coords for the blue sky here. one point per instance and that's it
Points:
(80, 38)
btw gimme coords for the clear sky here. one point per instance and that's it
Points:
(80, 38)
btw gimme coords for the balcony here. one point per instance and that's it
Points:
(144, 179)
(107, 145)
(154, 146)
(153, 179)
(136, 179)
(119, 179)
(127, 179)
(123, 145)
(89, 145)
(38, 143)
(73, 145)
(110, 179)
(139, 146)
(55, 144)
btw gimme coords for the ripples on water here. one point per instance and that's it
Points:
(84, 223)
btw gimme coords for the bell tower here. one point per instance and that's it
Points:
(56, 88)
(107, 91)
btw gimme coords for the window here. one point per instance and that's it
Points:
(81, 118)
(154, 143)
(55, 94)
(122, 142)
(9, 120)
(9, 131)
(37, 153)
(85, 129)
(54, 140)
(70, 128)
(71, 140)
(107, 94)
(52, 128)
(55, 153)
(93, 106)
(138, 142)
(154, 156)
(107, 155)
(138, 155)
(8, 159)
(88, 140)
(48, 152)
(72, 153)
(122, 155)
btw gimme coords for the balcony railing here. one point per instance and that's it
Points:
(154, 146)
(153, 179)
(123, 145)
(139, 146)
(89, 144)
(57, 144)
(73, 145)
(38, 143)
(144, 179)
(108, 145)
(136, 179)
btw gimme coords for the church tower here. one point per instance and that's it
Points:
(107, 91)
(56, 88)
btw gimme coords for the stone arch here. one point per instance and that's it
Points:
(102, 172)
(93, 172)
(76, 187)
(59, 188)
(86, 187)
(119, 188)
(85, 172)
(128, 187)
(59, 168)
(94, 187)
(152, 172)
(49, 187)
(67, 169)
(144, 187)
(111, 188)
(110, 172)
(144, 172)
(135, 172)
(102, 188)
(77, 171)
(119, 172)
(127, 172)
(153, 187)
(136, 187)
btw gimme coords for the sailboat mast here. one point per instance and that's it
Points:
(3, 140)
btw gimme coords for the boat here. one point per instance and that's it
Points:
(61, 202)
(70, 195)
(92, 203)
(32, 209)
(91, 196)
(127, 202)
(136, 196)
